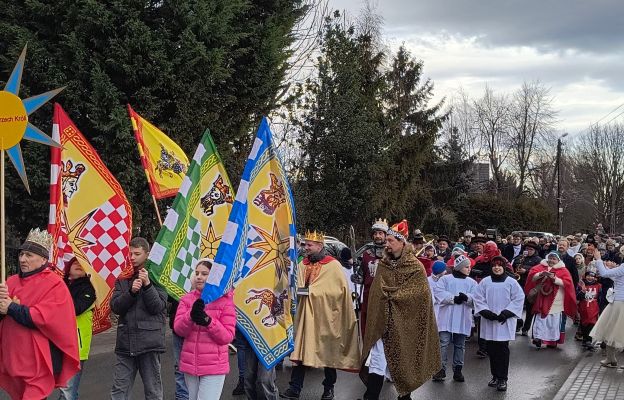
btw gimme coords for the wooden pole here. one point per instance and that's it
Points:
(156, 208)
(2, 217)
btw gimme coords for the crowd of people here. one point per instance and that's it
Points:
(392, 315)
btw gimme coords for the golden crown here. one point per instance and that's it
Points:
(315, 236)
(42, 238)
(380, 224)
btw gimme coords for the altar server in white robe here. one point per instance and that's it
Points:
(438, 270)
(453, 293)
(499, 300)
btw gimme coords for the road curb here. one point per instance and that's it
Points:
(590, 381)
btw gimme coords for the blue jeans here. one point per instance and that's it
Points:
(71, 391)
(241, 347)
(181, 392)
(459, 344)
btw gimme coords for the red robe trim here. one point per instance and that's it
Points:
(25, 358)
(544, 303)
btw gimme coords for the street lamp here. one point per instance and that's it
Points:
(558, 162)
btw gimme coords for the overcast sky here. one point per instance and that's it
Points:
(575, 47)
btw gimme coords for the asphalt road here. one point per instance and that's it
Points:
(533, 375)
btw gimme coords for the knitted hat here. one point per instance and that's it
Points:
(554, 254)
(461, 262)
(438, 267)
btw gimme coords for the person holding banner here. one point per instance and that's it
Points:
(83, 296)
(37, 314)
(207, 330)
(325, 323)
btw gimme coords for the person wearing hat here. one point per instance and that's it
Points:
(83, 296)
(481, 269)
(454, 295)
(402, 346)
(322, 340)
(368, 263)
(38, 342)
(418, 241)
(443, 249)
(498, 299)
(587, 293)
(521, 266)
(438, 270)
(556, 298)
(477, 245)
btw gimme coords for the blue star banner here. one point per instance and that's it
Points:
(257, 254)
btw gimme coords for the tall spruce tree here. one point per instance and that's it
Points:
(186, 65)
(366, 135)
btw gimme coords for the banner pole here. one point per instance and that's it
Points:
(157, 211)
(2, 217)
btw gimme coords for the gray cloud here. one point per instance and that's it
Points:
(549, 25)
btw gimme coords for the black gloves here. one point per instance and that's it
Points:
(198, 315)
(504, 315)
(460, 298)
(487, 314)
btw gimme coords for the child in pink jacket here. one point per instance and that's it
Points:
(207, 330)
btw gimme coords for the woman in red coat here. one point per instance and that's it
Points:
(556, 298)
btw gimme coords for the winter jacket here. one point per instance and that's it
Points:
(205, 348)
(83, 295)
(508, 251)
(527, 263)
(141, 327)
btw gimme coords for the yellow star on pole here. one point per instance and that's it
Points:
(275, 250)
(209, 243)
(14, 125)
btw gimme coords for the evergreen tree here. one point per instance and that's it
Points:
(185, 65)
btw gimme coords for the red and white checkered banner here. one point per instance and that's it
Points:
(90, 216)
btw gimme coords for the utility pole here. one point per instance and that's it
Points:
(558, 162)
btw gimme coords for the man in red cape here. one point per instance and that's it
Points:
(555, 300)
(38, 341)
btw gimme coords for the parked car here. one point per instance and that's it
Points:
(526, 234)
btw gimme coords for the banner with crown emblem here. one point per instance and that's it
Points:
(164, 162)
(258, 255)
(95, 226)
(194, 223)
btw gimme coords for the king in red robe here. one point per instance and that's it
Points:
(38, 340)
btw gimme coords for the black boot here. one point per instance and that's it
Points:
(493, 382)
(457, 374)
(240, 388)
(328, 394)
(440, 376)
(502, 385)
(373, 387)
